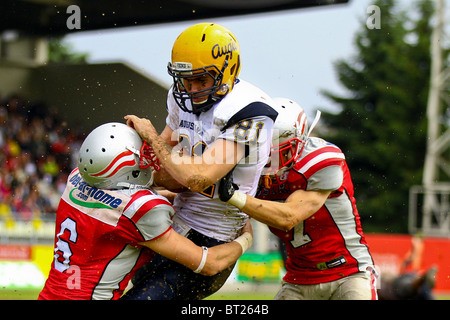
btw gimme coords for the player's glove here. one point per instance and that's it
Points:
(228, 191)
(227, 187)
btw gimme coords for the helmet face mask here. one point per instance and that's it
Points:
(282, 157)
(184, 98)
(113, 156)
(204, 50)
(288, 152)
(147, 158)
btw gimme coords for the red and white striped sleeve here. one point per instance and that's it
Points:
(151, 213)
(322, 168)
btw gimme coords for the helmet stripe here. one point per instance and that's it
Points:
(123, 164)
(115, 162)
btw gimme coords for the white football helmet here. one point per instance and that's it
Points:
(290, 133)
(113, 156)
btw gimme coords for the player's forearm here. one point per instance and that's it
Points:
(299, 206)
(275, 214)
(162, 178)
(198, 172)
(182, 168)
(162, 146)
(222, 256)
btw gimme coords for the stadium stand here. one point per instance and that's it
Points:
(36, 155)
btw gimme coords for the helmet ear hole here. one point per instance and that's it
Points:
(232, 69)
(135, 173)
(238, 66)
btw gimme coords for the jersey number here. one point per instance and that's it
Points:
(243, 129)
(300, 238)
(62, 250)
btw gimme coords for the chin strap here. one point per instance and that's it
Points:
(314, 123)
(126, 185)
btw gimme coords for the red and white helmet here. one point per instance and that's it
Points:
(113, 156)
(290, 132)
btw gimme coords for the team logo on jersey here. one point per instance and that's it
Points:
(101, 198)
(126, 158)
(86, 196)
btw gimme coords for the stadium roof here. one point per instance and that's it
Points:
(49, 17)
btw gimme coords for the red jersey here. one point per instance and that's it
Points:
(330, 244)
(97, 236)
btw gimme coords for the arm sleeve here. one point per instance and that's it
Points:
(251, 126)
(327, 179)
(155, 222)
(172, 119)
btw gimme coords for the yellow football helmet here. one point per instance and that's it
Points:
(204, 49)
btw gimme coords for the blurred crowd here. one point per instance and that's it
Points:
(37, 152)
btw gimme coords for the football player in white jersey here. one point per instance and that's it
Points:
(216, 122)
(108, 216)
(306, 198)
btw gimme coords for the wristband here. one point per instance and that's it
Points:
(203, 261)
(245, 240)
(238, 200)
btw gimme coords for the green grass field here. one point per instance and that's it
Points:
(225, 295)
(221, 295)
(18, 294)
(230, 291)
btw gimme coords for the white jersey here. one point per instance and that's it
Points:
(246, 116)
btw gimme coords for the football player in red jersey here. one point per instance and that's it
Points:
(307, 200)
(108, 216)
